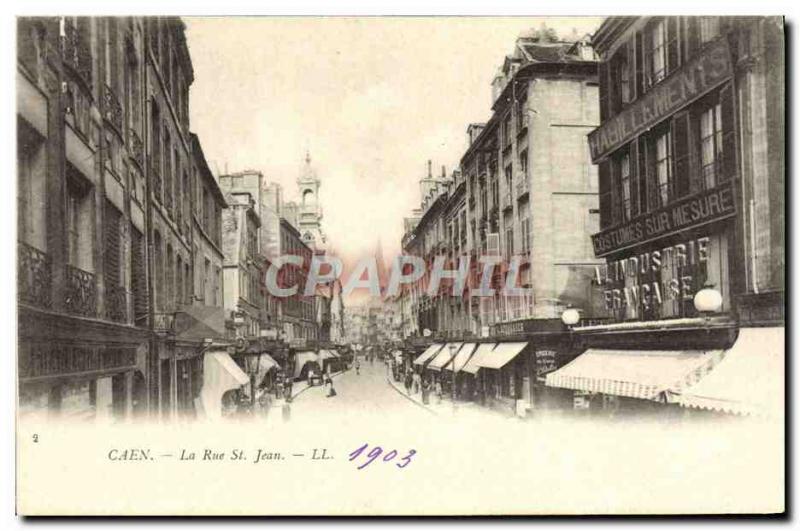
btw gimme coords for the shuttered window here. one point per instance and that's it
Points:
(138, 277)
(113, 247)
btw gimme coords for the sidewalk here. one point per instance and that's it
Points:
(445, 406)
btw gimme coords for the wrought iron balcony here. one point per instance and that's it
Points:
(113, 108)
(80, 295)
(164, 322)
(136, 147)
(34, 277)
(116, 304)
(522, 186)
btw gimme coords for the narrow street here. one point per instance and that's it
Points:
(367, 395)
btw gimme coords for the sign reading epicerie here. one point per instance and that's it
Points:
(708, 70)
(694, 210)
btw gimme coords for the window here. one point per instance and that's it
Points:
(138, 277)
(509, 243)
(663, 168)
(158, 288)
(113, 247)
(31, 179)
(625, 184)
(658, 52)
(709, 28)
(132, 86)
(710, 146)
(78, 221)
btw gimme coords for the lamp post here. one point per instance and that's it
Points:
(253, 363)
(453, 348)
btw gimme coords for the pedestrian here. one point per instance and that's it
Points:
(329, 385)
(438, 391)
(409, 380)
(417, 383)
(358, 368)
(426, 389)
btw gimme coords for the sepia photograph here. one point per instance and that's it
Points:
(400, 266)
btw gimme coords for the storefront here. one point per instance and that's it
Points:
(68, 370)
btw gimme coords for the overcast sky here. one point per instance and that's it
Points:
(371, 98)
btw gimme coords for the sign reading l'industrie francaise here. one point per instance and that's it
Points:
(691, 211)
(708, 70)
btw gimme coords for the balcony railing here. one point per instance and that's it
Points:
(137, 147)
(508, 201)
(34, 278)
(164, 322)
(116, 304)
(80, 295)
(522, 186)
(113, 108)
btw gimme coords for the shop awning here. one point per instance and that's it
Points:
(501, 355)
(461, 358)
(748, 380)
(642, 374)
(398, 356)
(326, 355)
(220, 374)
(428, 354)
(266, 364)
(444, 356)
(483, 350)
(303, 358)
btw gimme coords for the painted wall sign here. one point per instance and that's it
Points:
(689, 212)
(545, 361)
(704, 73)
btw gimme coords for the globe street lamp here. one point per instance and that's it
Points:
(570, 317)
(707, 301)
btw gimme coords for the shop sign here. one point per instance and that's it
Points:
(710, 69)
(59, 360)
(692, 211)
(545, 361)
(580, 400)
(649, 279)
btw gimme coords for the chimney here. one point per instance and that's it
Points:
(430, 176)
(444, 173)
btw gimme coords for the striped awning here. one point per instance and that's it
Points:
(483, 350)
(444, 356)
(748, 380)
(430, 352)
(461, 358)
(645, 374)
(501, 355)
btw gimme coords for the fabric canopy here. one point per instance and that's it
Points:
(749, 379)
(220, 374)
(444, 356)
(483, 350)
(301, 359)
(325, 355)
(642, 374)
(461, 358)
(428, 354)
(501, 355)
(266, 364)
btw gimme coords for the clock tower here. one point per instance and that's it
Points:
(309, 220)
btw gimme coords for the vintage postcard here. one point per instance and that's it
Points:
(400, 266)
